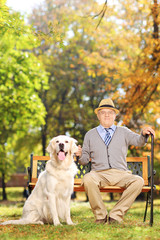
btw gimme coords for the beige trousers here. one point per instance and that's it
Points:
(112, 177)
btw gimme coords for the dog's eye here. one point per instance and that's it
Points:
(57, 141)
(66, 141)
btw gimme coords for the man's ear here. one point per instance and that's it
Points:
(98, 115)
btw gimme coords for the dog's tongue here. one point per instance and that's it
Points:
(61, 156)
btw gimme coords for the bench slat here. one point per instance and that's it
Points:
(109, 189)
(77, 181)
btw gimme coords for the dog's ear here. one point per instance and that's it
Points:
(74, 147)
(50, 148)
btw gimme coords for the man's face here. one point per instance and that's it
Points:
(106, 117)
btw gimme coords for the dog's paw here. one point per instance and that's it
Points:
(73, 224)
(57, 223)
(70, 222)
(40, 222)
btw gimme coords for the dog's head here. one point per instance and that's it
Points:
(62, 147)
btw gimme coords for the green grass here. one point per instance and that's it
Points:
(85, 228)
(14, 193)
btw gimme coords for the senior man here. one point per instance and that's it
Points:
(107, 146)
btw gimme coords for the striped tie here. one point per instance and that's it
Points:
(107, 138)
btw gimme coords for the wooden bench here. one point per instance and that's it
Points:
(141, 166)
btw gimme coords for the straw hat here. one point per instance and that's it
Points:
(106, 103)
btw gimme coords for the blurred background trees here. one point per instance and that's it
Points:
(21, 79)
(120, 59)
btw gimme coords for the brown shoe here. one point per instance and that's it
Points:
(101, 221)
(112, 221)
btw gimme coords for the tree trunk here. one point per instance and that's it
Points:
(44, 138)
(155, 33)
(155, 20)
(4, 187)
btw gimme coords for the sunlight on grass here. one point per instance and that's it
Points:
(14, 193)
(85, 228)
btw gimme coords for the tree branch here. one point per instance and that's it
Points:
(102, 12)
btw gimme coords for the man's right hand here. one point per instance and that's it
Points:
(79, 152)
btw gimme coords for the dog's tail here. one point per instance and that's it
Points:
(21, 221)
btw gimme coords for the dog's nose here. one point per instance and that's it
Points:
(61, 146)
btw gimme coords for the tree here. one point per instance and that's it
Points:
(119, 60)
(21, 77)
(77, 71)
(140, 85)
(139, 99)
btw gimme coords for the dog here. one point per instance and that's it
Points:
(49, 201)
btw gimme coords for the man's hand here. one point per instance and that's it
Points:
(148, 131)
(79, 152)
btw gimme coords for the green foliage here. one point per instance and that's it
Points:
(93, 64)
(22, 76)
(119, 59)
(77, 72)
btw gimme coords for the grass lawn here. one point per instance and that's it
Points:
(85, 228)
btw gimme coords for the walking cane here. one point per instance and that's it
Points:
(152, 180)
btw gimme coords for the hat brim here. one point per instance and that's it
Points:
(99, 108)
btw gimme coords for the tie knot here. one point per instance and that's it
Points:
(107, 129)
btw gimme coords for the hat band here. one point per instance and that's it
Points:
(106, 106)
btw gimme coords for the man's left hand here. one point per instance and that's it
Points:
(148, 131)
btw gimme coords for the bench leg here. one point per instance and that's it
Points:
(29, 189)
(149, 201)
(151, 214)
(145, 214)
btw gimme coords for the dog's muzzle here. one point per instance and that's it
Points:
(61, 154)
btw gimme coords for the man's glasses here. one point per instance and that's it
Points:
(109, 113)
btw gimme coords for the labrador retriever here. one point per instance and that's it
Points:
(49, 201)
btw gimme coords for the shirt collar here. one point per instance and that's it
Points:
(113, 127)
